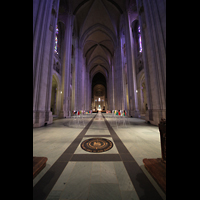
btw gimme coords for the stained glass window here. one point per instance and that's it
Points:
(140, 40)
(56, 40)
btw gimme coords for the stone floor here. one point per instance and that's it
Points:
(74, 174)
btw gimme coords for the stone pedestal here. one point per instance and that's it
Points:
(64, 114)
(154, 116)
(41, 118)
(134, 113)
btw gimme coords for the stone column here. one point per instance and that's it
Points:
(131, 73)
(152, 15)
(90, 103)
(52, 28)
(44, 20)
(84, 86)
(79, 81)
(73, 76)
(87, 91)
(123, 69)
(76, 56)
(66, 66)
(112, 91)
(118, 78)
(110, 88)
(122, 74)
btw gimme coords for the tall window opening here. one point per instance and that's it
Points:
(56, 40)
(139, 40)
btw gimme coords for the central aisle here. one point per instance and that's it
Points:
(82, 175)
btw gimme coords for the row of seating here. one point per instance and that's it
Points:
(80, 112)
(119, 116)
(77, 116)
(119, 112)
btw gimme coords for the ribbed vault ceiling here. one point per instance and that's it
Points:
(97, 23)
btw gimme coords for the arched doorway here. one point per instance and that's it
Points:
(55, 96)
(99, 93)
(99, 100)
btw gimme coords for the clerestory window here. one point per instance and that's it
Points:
(56, 40)
(139, 40)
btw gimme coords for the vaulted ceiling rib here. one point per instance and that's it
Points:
(98, 26)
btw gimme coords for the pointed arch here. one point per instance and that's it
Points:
(98, 68)
(102, 59)
(99, 78)
(101, 28)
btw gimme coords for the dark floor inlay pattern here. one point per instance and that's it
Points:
(96, 145)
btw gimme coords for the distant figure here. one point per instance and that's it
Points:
(146, 107)
(124, 112)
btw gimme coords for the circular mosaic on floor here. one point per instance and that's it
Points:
(96, 145)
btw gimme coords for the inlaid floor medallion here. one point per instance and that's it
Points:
(96, 145)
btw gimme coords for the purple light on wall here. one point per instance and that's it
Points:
(140, 40)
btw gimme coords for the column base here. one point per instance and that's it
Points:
(64, 114)
(154, 116)
(42, 118)
(134, 113)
